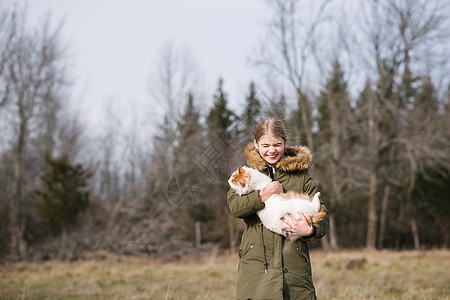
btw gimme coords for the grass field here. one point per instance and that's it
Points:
(337, 275)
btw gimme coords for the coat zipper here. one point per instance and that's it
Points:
(266, 264)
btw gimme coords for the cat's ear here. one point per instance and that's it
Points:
(241, 170)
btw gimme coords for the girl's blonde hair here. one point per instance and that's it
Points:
(270, 126)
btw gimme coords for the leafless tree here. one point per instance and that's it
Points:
(7, 19)
(405, 40)
(176, 76)
(132, 184)
(31, 77)
(337, 129)
(289, 50)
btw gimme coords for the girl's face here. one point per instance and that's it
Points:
(271, 148)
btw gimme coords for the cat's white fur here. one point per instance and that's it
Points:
(276, 206)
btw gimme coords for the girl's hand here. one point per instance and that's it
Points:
(297, 228)
(273, 187)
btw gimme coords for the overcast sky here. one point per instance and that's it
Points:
(114, 45)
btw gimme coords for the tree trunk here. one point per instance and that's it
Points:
(415, 233)
(371, 212)
(384, 206)
(334, 245)
(325, 243)
(22, 244)
(16, 195)
(62, 253)
(373, 141)
(198, 234)
(335, 177)
(305, 116)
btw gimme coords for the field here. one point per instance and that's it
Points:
(337, 275)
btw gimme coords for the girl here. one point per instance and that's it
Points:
(271, 266)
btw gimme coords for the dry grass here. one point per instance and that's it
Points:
(343, 275)
(382, 275)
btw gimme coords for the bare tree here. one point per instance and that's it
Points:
(7, 32)
(337, 125)
(176, 76)
(402, 38)
(30, 81)
(288, 51)
(135, 174)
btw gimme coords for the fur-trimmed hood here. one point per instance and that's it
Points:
(294, 158)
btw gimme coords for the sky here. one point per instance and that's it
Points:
(114, 45)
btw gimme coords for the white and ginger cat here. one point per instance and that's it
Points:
(245, 180)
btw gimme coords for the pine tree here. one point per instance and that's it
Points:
(334, 107)
(425, 99)
(222, 134)
(252, 111)
(192, 208)
(276, 108)
(217, 158)
(295, 123)
(432, 183)
(335, 123)
(187, 168)
(64, 194)
(220, 118)
(242, 131)
(189, 135)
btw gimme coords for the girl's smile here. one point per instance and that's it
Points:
(271, 148)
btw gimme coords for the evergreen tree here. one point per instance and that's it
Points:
(192, 209)
(161, 162)
(252, 111)
(243, 130)
(333, 104)
(189, 136)
(220, 118)
(216, 158)
(221, 130)
(425, 99)
(223, 134)
(187, 168)
(64, 195)
(432, 183)
(277, 108)
(335, 124)
(295, 123)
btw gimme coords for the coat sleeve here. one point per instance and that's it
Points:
(322, 227)
(245, 205)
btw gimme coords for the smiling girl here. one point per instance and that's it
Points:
(271, 266)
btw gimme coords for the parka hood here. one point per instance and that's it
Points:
(295, 158)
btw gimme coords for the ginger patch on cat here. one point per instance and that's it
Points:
(241, 177)
(245, 180)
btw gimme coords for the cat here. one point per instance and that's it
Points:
(245, 180)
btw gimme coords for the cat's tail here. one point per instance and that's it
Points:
(319, 216)
(316, 202)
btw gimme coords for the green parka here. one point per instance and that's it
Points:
(270, 266)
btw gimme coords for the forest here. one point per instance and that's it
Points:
(368, 93)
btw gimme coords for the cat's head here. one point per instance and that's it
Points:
(240, 181)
